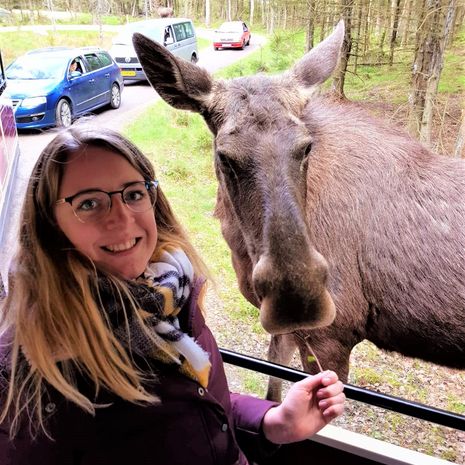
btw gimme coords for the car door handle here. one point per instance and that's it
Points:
(107, 75)
(91, 80)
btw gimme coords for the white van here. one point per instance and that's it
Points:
(176, 34)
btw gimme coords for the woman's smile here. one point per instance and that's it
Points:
(121, 247)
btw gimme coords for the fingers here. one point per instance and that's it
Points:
(330, 390)
(331, 397)
(326, 379)
(332, 407)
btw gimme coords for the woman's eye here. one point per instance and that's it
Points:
(88, 205)
(134, 196)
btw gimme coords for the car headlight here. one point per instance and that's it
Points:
(33, 102)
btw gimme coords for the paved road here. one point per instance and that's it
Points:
(136, 98)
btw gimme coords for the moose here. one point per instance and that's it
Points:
(342, 227)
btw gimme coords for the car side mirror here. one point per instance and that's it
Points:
(75, 74)
(168, 41)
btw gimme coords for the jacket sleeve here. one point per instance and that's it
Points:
(248, 413)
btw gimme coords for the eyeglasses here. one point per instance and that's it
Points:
(92, 205)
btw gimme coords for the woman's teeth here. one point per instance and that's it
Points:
(121, 247)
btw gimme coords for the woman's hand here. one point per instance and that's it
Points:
(309, 405)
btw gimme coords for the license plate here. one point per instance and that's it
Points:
(128, 73)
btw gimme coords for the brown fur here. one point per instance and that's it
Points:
(325, 207)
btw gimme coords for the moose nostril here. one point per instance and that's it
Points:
(261, 277)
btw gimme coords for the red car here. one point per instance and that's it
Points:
(232, 34)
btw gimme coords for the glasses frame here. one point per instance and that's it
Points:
(148, 184)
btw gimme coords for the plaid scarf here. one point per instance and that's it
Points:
(160, 294)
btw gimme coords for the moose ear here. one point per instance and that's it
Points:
(180, 83)
(319, 63)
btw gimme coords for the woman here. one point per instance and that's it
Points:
(106, 358)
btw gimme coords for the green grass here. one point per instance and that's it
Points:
(255, 383)
(455, 404)
(14, 44)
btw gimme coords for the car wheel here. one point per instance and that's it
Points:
(194, 58)
(216, 48)
(248, 42)
(63, 115)
(115, 100)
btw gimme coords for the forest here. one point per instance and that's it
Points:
(378, 32)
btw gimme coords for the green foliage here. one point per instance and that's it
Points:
(369, 82)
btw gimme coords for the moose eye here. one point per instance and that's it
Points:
(227, 164)
(308, 149)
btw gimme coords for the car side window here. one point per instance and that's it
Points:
(188, 29)
(104, 58)
(93, 61)
(180, 31)
(244, 26)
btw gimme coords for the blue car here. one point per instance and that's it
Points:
(52, 86)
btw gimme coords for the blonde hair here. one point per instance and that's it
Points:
(50, 318)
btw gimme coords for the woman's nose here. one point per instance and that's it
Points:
(119, 213)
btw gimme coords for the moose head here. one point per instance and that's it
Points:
(261, 151)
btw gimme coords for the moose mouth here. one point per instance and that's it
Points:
(294, 299)
(287, 313)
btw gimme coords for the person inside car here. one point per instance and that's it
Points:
(75, 66)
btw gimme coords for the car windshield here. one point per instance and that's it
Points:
(125, 38)
(231, 27)
(37, 67)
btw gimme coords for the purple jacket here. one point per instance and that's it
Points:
(190, 426)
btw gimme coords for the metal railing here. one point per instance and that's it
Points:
(396, 404)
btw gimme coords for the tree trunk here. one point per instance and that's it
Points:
(337, 87)
(52, 14)
(207, 13)
(324, 18)
(271, 19)
(395, 25)
(252, 8)
(432, 38)
(310, 25)
(358, 39)
(459, 151)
